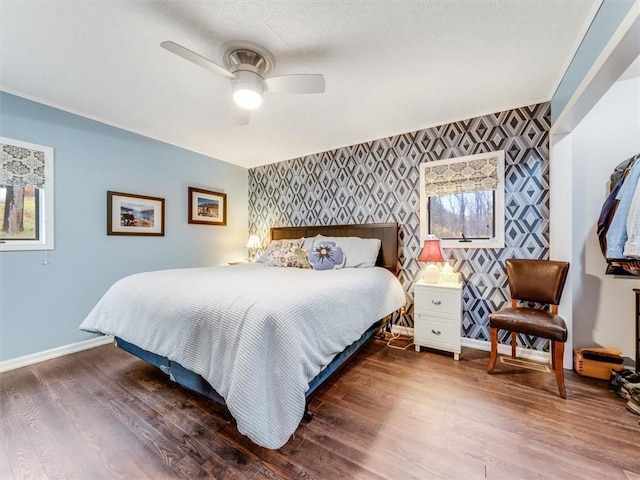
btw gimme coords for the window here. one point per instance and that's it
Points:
(26, 196)
(469, 215)
(462, 201)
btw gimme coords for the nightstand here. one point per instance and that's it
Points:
(438, 316)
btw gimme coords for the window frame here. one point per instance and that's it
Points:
(45, 204)
(497, 241)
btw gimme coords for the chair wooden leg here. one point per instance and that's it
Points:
(514, 343)
(558, 353)
(494, 349)
(553, 354)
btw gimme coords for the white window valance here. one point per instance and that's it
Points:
(21, 167)
(446, 178)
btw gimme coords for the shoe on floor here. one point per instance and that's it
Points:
(633, 406)
(630, 376)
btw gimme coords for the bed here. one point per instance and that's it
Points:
(259, 339)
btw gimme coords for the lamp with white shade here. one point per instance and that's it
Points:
(253, 244)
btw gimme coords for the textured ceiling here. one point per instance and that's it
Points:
(390, 66)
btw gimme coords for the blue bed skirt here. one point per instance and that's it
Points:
(195, 382)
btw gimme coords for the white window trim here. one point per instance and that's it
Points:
(46, 198)
(498, 240)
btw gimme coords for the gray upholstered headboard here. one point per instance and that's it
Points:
(386, 232)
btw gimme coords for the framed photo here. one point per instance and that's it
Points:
(207, 207)
(129, 214)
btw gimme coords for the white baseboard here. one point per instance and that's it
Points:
(14, 363)
(535, 355)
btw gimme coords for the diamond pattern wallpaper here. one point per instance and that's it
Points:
(378, 181)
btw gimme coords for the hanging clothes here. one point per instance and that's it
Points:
(632, 245)
(617, 232)
(606, 215)
(618, 226)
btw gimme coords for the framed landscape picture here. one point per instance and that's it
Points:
(129, 214)
(207, 207)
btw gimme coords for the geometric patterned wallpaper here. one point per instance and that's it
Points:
(378, 181)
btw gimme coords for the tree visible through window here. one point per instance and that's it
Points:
(462, 215)
(19, 213)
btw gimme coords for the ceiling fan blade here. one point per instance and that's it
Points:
(295, 84)
(196, 58)
(241, 116)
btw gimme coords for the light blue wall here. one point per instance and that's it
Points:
(41, 306)
(606, 22)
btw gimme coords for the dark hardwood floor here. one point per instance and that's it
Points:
(389, 414)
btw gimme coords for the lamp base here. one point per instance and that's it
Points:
(431, 274)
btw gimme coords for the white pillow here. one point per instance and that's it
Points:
(358, 252)
(308, 243)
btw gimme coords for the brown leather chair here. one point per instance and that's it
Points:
(539, 281)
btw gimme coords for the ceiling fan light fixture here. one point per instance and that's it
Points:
(248, 89)
(247, 98)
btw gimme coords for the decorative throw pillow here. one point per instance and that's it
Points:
(299, 259)
(281, 252)
(308, 243)
(326, 256)
(358, 252)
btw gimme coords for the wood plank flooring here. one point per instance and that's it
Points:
(390, 414)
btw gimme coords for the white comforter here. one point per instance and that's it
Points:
(257, 334)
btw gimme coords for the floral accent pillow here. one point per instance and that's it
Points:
(282, 252)
(299, 259)
(326, 256)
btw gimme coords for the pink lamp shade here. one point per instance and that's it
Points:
(432, 252)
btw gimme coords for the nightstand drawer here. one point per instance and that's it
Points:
(431, 331)
(437, 301)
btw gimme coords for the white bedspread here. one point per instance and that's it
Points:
(257, 334)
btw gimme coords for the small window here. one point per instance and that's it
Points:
(466, 215)
(26, 196)
(462, 201)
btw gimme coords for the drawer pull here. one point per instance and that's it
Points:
(436, 332)
(436, 302)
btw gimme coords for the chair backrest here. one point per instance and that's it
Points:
(540, 281)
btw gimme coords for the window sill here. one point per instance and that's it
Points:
(24, 246)
(496, 243)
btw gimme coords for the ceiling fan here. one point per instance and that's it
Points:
(248, 66)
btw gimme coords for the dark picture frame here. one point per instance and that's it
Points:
(131, 214)
(207, 207)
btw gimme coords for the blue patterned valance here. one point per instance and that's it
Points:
(21, 167)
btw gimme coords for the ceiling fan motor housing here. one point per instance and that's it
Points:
(255, 59)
